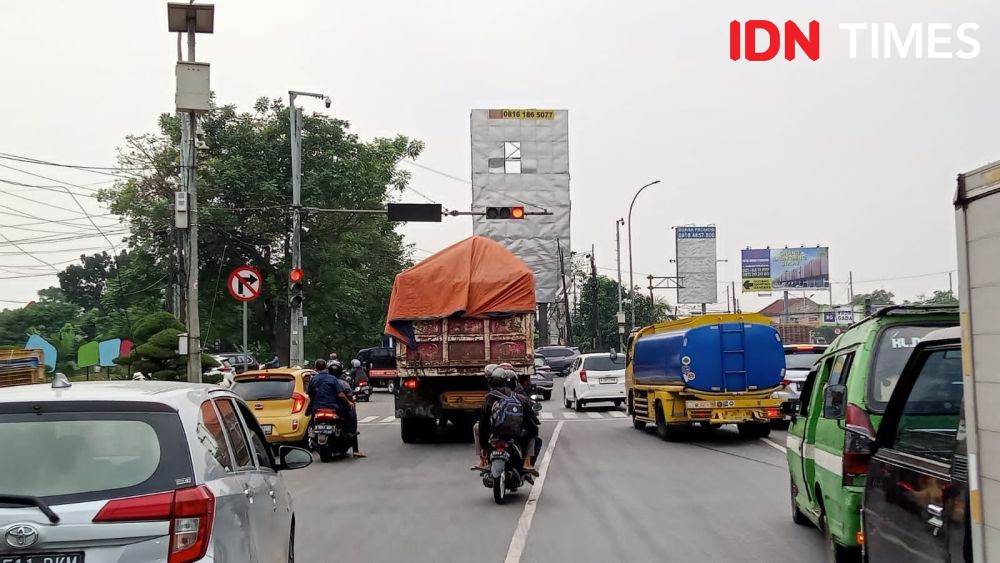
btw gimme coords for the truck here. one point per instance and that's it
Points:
(708, 370)
(470, 305)
(21, 367)
(380, 364)
(977, 221)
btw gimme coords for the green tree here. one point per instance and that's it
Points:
(878, 297)
(946, 297)
(607, 311)
(244, 190)
(84, 284)
(155, 350)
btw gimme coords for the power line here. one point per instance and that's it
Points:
(85, 188)
(39, 187)
(32, 256)
(458, 179)
(118, 172)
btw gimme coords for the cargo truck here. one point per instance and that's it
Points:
(977, 207)
(21, 367)
(710, 370)
(470, 305)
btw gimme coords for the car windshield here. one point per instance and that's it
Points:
(264, 389)
(556, 353)
(801, 360)
(539, 362)
(604, 363)
(77, 457)
(893, 350)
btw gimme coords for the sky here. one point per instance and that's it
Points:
(858, 154)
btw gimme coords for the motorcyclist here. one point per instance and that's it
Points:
(500, 383)
(357, 372)
(325, 391)
(348, 411)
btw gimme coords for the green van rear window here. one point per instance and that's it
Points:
(895, 345)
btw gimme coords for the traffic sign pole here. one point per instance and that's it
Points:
(245, 358)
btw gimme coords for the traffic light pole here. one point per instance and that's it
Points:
(295, 342)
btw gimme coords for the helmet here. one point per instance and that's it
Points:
(356, 363)
(497, 379)
(336, 364)
(488, 370)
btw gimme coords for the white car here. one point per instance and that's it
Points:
(595, 378)
(151, 471)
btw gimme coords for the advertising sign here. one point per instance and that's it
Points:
(776, 269)
(696, 265)
(838, 317)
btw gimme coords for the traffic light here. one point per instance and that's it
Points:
(505, 213)
(295, 278)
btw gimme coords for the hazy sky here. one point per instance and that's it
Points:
(857, 154)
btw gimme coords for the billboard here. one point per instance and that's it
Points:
(696, 265)
(778, 269)
(521, 157)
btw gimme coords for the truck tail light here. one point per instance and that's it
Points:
(858, 439)
(583, 375)
(190, 512)
(298, 402)
(410, 383)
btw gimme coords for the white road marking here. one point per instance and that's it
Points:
(774, 445)
(595, 415)
(367, 419)
(548, 416)
(618, 414)
(389, 419)
(569, 415)
(520, 538)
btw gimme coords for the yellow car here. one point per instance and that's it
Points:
(278, 399)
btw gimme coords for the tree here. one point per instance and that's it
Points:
(941, 298)
(607, 299)
(84, 284)
(878, 297)
(155, 351)
(244, 189)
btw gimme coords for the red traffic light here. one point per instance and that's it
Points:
(517, 213)
(295, 275)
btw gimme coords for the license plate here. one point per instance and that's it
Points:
(43, 558)
(324, 428)
(608, 380)
(268, 429)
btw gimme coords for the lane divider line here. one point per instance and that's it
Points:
(774, 445)
(367, 419)
(389, 418)
(519, 540)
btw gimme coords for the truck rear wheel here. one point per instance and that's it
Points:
(416, 430)
(669, 432)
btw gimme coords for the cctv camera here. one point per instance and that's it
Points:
(327, 101)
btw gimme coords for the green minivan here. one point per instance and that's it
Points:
(842, 402)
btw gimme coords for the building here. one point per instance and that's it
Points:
(801, 310)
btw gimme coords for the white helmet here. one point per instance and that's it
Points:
(356, 363)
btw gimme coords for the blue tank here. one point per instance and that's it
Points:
(717, 358)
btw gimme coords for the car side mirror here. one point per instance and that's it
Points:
(834, 402)
(537, 407)
(290, 457)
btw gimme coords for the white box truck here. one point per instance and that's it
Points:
(977, 207)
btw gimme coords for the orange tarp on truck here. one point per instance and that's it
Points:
(476, 278)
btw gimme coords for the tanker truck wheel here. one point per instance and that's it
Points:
(669, 432)
(638, 424)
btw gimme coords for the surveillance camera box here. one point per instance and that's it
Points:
(193, 87)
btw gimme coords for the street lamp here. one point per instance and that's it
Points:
(296, 342)
(631, 279)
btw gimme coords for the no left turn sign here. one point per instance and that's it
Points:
(245, 284)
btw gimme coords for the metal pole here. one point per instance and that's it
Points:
(652, 307)
(595, 310)
(784, 315)
(246, 359)
(631, 281)
(618, 253)
(188, 133)
(569, 320)
(295, 353)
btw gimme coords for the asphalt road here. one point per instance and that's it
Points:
(610, 493)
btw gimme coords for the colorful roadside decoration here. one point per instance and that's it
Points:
(36, 342)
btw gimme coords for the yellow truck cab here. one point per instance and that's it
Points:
(711, 370)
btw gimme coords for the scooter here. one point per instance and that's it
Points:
(328, 435)
(363, 391)
(505, 471)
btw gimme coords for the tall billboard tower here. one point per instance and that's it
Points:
(520, 157)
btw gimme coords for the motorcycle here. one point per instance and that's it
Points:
(505, 469)
(363, 391)
(328, 435)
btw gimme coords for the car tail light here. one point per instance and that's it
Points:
(298, 402)
(786, 382)
(410, 383)
(362, 383)
(189, 510)
(805, 348)
(858, 439)
(773, 412)
(583, 375)
(227, 370)
(325, 414)
(263, 376)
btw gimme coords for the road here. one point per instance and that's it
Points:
(610, 493)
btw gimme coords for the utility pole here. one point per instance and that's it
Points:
(595, 309)
(569, 321)
(951, 288)
(729, 302)
(850, 289)
(784, 315)
(296, 325)
(652, 304)
(193, 96)
(621, 312)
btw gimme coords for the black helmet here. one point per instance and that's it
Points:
(497, 379)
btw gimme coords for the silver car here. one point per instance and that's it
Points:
(140, 471)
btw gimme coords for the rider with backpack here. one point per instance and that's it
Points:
(506, 414)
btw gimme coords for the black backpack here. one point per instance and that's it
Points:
(507, 414)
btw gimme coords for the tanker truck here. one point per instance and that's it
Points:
(710, 370)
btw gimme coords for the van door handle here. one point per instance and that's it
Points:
(935, 520)
(935, 510)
